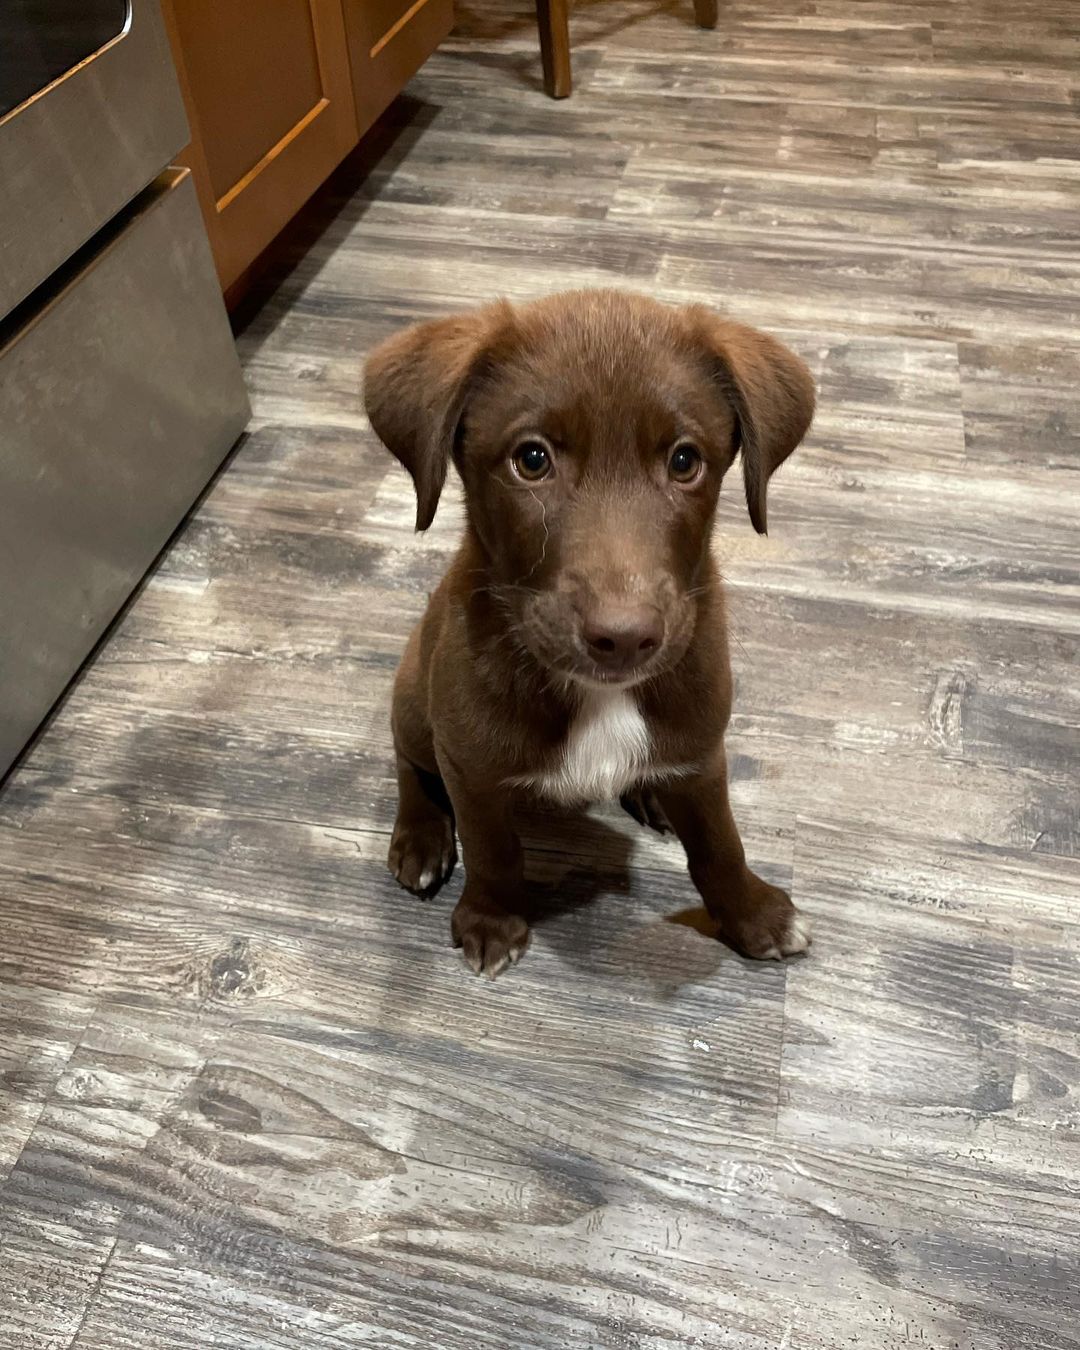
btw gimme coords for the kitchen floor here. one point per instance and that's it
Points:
(250, 1097)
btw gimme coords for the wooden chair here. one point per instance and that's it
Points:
(553, 20)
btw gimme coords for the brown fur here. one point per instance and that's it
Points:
(597, 578)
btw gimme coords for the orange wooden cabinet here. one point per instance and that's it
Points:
(278, 92)
(389, 40)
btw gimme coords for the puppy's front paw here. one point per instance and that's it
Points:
(490, 940)
(765, 924)
(644, 805)
(422, 853)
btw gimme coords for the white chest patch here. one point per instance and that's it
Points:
(607, 751)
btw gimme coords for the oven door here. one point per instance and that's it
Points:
(90, 113)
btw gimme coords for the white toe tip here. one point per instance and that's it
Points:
(798, 936)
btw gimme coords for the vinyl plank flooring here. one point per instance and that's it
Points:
(282, 1178)
(39, 1032)
(1019, 404)
(992, 1064)
(876, 287)
(953, 211)
(62, 1202)
(248, 1094)
(755, 74)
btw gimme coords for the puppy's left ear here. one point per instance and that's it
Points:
(772, 393)
(415, 389)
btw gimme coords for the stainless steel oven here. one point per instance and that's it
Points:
(120, 390)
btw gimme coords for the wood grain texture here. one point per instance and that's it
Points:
(248, 1094)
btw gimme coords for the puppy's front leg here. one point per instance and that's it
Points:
(754, 917)
(485, 924)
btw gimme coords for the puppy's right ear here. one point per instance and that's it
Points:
(415, 388)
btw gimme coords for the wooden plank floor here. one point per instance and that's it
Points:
(250, 1098)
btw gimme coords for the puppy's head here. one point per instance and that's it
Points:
(591, 431)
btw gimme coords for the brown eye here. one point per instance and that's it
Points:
(685, 464)
(532, 461)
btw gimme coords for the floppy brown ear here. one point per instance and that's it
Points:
(415, 389)
(772, 392)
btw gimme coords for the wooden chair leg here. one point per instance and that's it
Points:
(553, 18)
(706, 12)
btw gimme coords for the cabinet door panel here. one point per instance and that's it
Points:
(270, 101)
(388, 42)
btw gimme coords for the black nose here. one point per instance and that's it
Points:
(622, 637)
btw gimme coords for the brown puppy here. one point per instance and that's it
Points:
(576, 647)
